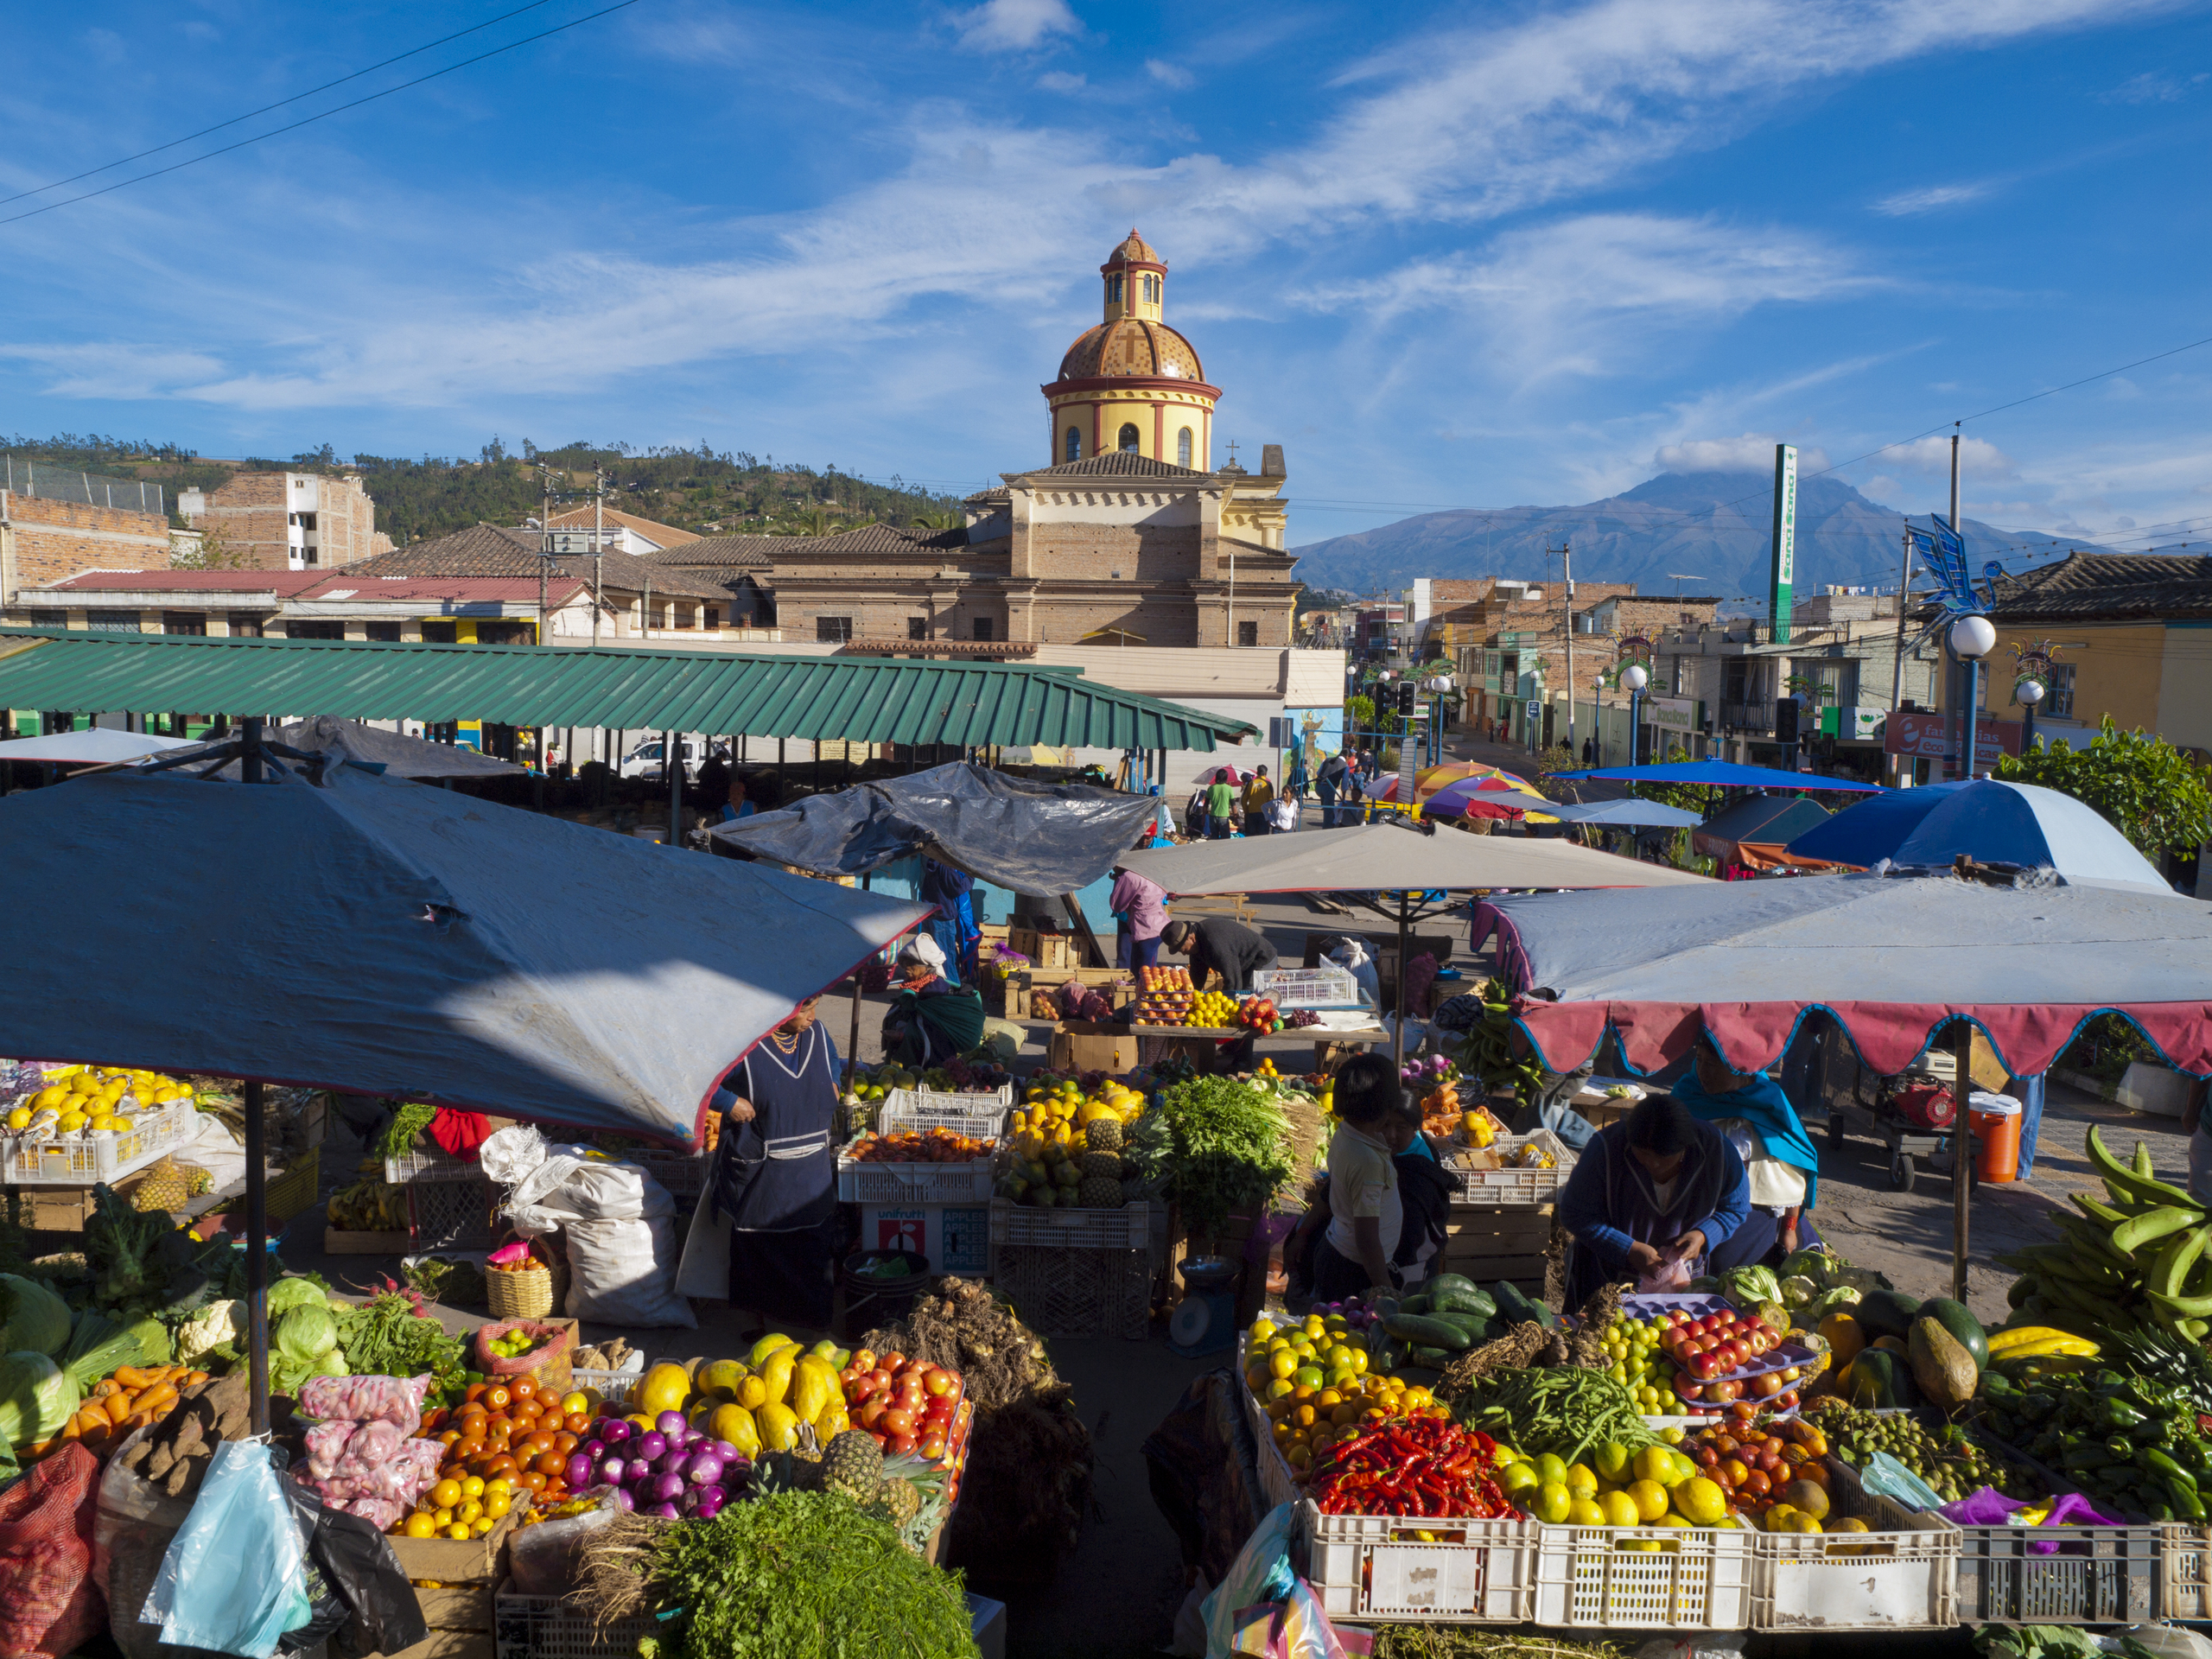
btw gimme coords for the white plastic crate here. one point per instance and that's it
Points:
(1418, 1569)
(935, 1102)
(1278, 1484)
(1903, 1575)
(1613, 1578)
(985, 1120)
(546, 1627)
(860, 1183)
(1128, 1228)
(1308, 987)
(431, 1167)
(2185, 1572)
(616, 1388)
(81, 1161)
(1512, 1187)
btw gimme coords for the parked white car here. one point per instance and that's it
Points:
(650, 760)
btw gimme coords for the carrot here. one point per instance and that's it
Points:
(133, 1376)
(104, 1387)
(159, 1398)
(117, 1407)
(192, 1380)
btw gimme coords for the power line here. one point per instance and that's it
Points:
(309, 121)
(342, 80)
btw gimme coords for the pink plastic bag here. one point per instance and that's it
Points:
(1987, 1507)
(363, 1399)
(325, 1444)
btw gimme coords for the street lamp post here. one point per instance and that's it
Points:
(1635, 677)
(1973, 638)
(2029, 692)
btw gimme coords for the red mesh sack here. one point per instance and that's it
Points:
(48, 1602)
(550, 1355)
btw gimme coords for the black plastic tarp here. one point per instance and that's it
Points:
(1040, 839)
(400, 756)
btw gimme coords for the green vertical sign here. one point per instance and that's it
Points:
(1782, 573)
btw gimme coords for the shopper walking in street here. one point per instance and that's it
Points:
(1258, 796)
(776, 1178)
(1332, 779)
(1221, 805)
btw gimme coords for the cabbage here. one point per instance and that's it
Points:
(1797, 1290)
(306, 1333)
(33, 1320)
(1812, 1262)
(37, 1398)
(214, 1325)
(331, 1364)
(287, 1294)
(1833, 1301)
(1744, 1286)
(95, 1347)
(153, 1339)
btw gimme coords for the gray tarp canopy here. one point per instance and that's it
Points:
(399, 755)
(1892, 958)
(1624, 814)
(1040, 839)
(380, 937)
(1390, 857)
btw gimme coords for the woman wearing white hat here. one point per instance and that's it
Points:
(931, 1021)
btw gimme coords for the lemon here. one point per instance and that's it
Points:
(1580, 1481)
(1585, 1512)
(1649, 1497)
(1550, 1469)
(70, 1122)
(20, 1118)
(1701, 1500)
(1551, 1503)
(1516, 1477)
(1656, 1463)
(1620, 1510)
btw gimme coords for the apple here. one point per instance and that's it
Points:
(937, 1381)
(1743, 1411)
(1684, 1387)
(1765, 1386)
(1785, 1401)
(898, 1422)
(1724, 1391)
(1790, 1375)
(900, 1446)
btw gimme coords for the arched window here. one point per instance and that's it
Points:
(1114, 289)
(1152, 288)
(1183, 448)
(1129, 438)
(1074, 443)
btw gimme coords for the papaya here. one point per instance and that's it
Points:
(734, 1424)
(1891, 1345)
(767, 1345)
(1940, 1364)
(1965, 1329)
(778, 1427)
(1887, 1313)
(814, 1385)
(1845, 1336)
(1877, 1380)
(775, 1373)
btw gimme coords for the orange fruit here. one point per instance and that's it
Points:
(446, 1494)
(420, 1525)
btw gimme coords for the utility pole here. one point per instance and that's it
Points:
(1566, 573)
(598, 546)
(544, 546)
(1966, 715)
(1897, 670)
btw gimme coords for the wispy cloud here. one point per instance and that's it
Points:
(1169, 74)
(1752, 452)
(2156, 86)
(1015, 25)
(1906, 203)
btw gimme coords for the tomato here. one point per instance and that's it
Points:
(532, 1480)
(550, 1464)
(451, 1437)
(498, 1397)
(524, 1388)
(565, 1442)
(933, 1446)
(475, 1392)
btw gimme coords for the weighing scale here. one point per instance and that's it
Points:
(1206, 1321)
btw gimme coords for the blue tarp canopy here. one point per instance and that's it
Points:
(1990, 821)
(383, 938)
(1725, 774)
(1623, 815)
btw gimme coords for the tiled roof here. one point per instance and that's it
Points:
(494, 550)
(720, 552)
(1118, 463)
(653, 529)
(343, 585)
(997, 495)
(1131, 346)
(717, 553)
(282, 583)
(2085, 585)
(1133, 247)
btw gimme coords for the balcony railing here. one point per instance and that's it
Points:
(1748, 717)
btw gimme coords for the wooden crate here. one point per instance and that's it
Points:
(335, 1243)
(1487, 1243)
(1047, 950)
(460, 1610)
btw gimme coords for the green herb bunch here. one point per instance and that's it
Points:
(803, 1573)
(410, 1120)
(390, 1336)
(1231, 1147)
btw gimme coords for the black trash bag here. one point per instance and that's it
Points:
(383, 1615)
(1202, 1464)
(327, 1609)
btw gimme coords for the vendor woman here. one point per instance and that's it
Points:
(1651, 1197)
(776, 1183)
(1782, 1167)
(931, 1021)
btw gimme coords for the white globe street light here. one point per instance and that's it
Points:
(1635, 678)
(1972, 637)
(2029, 691)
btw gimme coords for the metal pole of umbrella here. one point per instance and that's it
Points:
(1961, 1153)
(674, 766)
(256, 1178)
(1398, 1025)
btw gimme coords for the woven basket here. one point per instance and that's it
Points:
(535, 1294)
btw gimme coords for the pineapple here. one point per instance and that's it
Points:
(197, 1180)
(1101, 1167)
(853, 1465)
(162, 1188)
(1098, 1192)
(1103, 1134)
(897, 1499)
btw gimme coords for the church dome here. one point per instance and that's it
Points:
(1134, 250)
(1131, 346)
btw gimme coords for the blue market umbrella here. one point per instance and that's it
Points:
(1726, 774)
(1989, 821)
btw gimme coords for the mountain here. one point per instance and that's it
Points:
(1711, 527)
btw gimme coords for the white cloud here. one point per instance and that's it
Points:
(1169, 74)
(1933, 455)
(117, 371)
(1059, 80)
(1752, 453)
(2156, 86)
(1015, 25)
(1908, 202)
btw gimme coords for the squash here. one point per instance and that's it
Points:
(1877, 1380)
(1941, 1365)
(1965, 1329)
(1891, 1345)
(1845, 1336)
(1887, 1313)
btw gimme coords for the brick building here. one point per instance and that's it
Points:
(289, 521)
(44, 539)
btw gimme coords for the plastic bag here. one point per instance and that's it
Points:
(327, 1609)
(235, 1576)
(1670, 1273)
(1987, 1507)
(1294, 1628)
(554, 1340)
(384, 1615)
(542, 1559)
(49, 1603)
(1261, 1572)
(366, 1399)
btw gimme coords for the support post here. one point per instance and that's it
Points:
(257, 1256)
(1398, 1025)
(1082, 925)
(671, 760)
(1961, 1153)
(853, 1040)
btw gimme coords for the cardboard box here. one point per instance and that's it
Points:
(1092, 1046)
(449, 1561)
(54, 1209)
(955, 1237)
(456, 1607)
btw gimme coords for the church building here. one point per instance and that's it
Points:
(1129, 534)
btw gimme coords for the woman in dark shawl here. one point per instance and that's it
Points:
(930, 1021)
(1658, 1189)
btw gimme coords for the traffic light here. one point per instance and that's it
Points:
(1785, 720)
(1406, 692)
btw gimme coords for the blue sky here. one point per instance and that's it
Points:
(1453, 256)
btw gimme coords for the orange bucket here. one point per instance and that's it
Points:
(1996, 1121)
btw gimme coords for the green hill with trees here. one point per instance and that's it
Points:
(698, 490)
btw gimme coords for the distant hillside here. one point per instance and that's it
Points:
(692, 489)
(1711, 527)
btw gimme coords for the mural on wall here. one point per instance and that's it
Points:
(1321, 734)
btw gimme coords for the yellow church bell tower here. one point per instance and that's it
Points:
(1133, 385)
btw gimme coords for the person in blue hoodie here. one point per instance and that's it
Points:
(1779, 1160)
(1655, 1195)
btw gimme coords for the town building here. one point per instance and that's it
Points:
(579, 530)
(286, 521)
(312, 604)
(54, 523)
(1109, 543)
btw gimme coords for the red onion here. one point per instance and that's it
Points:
(710, 1503)
(704, 1469)
(579, 1471)
(725, 1451)
(666, 1511)
(613, 1430)
(667, 1488)
(624, 1500)
(671, 1422)
(651, 1445)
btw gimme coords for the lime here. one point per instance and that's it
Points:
(1551, 1503)
(1550, 1469)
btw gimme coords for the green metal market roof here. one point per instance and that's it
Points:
(871, 700)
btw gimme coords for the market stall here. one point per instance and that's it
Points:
(1756, 833)
(1988, 820)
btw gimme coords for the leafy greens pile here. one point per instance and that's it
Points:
(397, 1139)
(1231, 1147)
(801, 1572)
